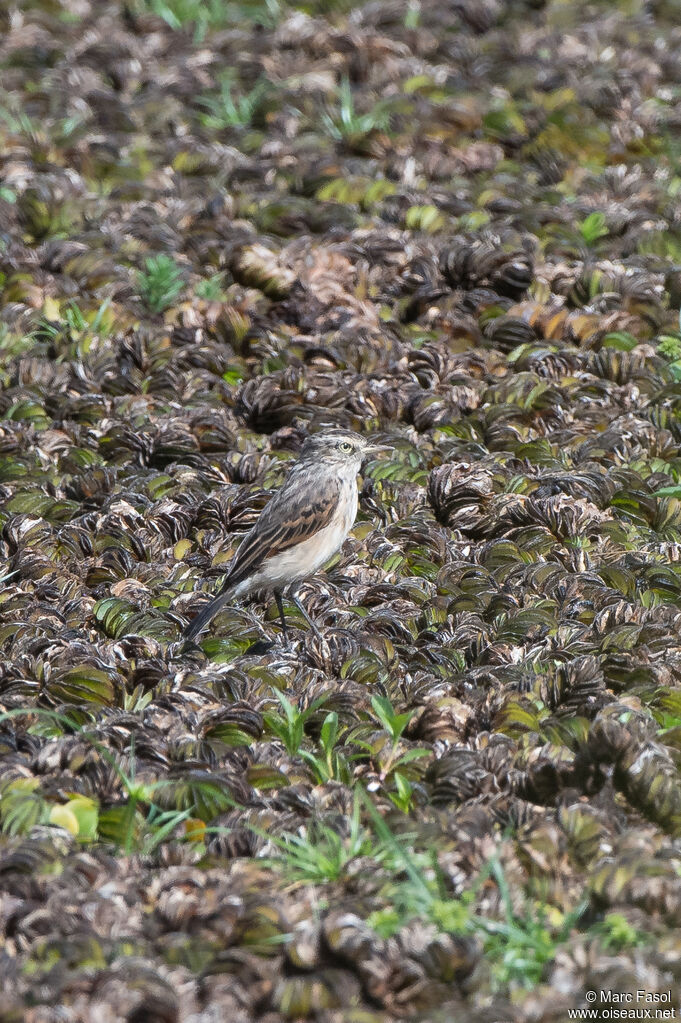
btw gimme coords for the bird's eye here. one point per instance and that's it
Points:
(346, 446)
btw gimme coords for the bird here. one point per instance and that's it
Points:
(299, 529)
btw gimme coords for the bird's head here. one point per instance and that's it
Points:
(341, 449)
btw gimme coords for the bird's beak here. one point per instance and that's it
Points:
(370, 448)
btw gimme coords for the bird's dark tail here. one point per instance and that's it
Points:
(203, 617)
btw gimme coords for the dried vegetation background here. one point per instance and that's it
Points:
(457, 226)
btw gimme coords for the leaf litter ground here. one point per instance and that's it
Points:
(456, 227)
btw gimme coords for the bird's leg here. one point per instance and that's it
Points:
(277, 597)
(305, 615)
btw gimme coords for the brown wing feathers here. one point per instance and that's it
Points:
(287, 520)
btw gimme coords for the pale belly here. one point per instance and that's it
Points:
(306, 557)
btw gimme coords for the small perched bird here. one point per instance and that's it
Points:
(301, 527)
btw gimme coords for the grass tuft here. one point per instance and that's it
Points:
(160, 284)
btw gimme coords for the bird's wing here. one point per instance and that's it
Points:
(294, 514)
